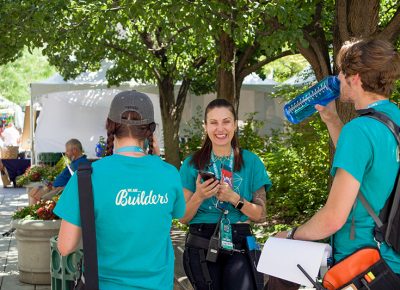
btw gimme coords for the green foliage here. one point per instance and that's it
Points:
(42, 173)
(285, 67)
(298, 161)
(249, 137)
(15, 77)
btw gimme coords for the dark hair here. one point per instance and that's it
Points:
(201, 158)
(118, 130)
(375, 60)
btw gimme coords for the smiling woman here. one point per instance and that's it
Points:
(220, 209)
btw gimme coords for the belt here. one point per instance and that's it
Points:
(202, 243)
(197, 241)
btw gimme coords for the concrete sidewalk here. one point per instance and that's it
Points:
(10, 200)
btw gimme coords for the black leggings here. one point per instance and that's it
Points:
(232, 271)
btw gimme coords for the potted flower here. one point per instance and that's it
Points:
(35, 174)
(39, 176)
(35, 225)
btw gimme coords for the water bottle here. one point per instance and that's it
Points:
(321, 93)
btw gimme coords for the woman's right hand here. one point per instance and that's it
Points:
(207, 188)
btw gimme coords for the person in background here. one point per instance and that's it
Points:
(234, 199)
(74, 152)
(11, 135)
(136, 196)
(366, 157)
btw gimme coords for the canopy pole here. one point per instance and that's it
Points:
(31, 124)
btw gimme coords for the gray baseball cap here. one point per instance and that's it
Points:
(131, 101)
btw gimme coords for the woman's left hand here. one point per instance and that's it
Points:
(226, 193)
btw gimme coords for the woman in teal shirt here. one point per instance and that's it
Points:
(231, 200)
(136, 196)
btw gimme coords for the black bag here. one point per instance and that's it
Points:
(91, 280)
(387, 228)
(253, 253)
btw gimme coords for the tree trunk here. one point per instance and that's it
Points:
(171, 117)
(354, 19)
(226, 68)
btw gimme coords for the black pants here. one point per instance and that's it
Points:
(231, 271)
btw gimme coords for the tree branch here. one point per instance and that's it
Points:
(244, 57)
(392, 30)
(120, 49)
(181, 98)
(252, 68)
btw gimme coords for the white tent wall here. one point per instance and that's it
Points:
(78, 114)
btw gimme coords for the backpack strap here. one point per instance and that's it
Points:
(372, 113)
(88, 226)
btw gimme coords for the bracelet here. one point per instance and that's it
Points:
(291, 232)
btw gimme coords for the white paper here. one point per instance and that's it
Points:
(280, 257)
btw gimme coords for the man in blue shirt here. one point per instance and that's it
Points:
(74, 151)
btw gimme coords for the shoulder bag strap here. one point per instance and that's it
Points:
(88, 226)
(372, 113)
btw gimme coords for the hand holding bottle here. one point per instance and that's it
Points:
(328, 113)
(331, 118)
(303, 105)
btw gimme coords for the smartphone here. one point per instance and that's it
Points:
(206, 175)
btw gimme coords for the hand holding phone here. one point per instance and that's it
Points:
(206, 175)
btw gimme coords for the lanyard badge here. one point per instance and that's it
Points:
(226, 234)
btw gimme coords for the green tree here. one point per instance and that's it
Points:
(327, 31)
(250, 34)
(16, 76)
(149, 41)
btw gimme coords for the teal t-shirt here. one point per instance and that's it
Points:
(367, 150)
(135, 200)
(251, 177)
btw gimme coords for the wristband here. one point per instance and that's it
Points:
(291, 232)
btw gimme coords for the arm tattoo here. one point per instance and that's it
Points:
(259, 198)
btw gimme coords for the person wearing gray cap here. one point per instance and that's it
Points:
(136, 196)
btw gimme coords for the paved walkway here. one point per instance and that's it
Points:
(10, 200)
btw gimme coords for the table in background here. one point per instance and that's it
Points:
(16, 167)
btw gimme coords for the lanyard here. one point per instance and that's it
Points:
(221, 205)
(381, 102)
(134, 149)
(215, 168)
